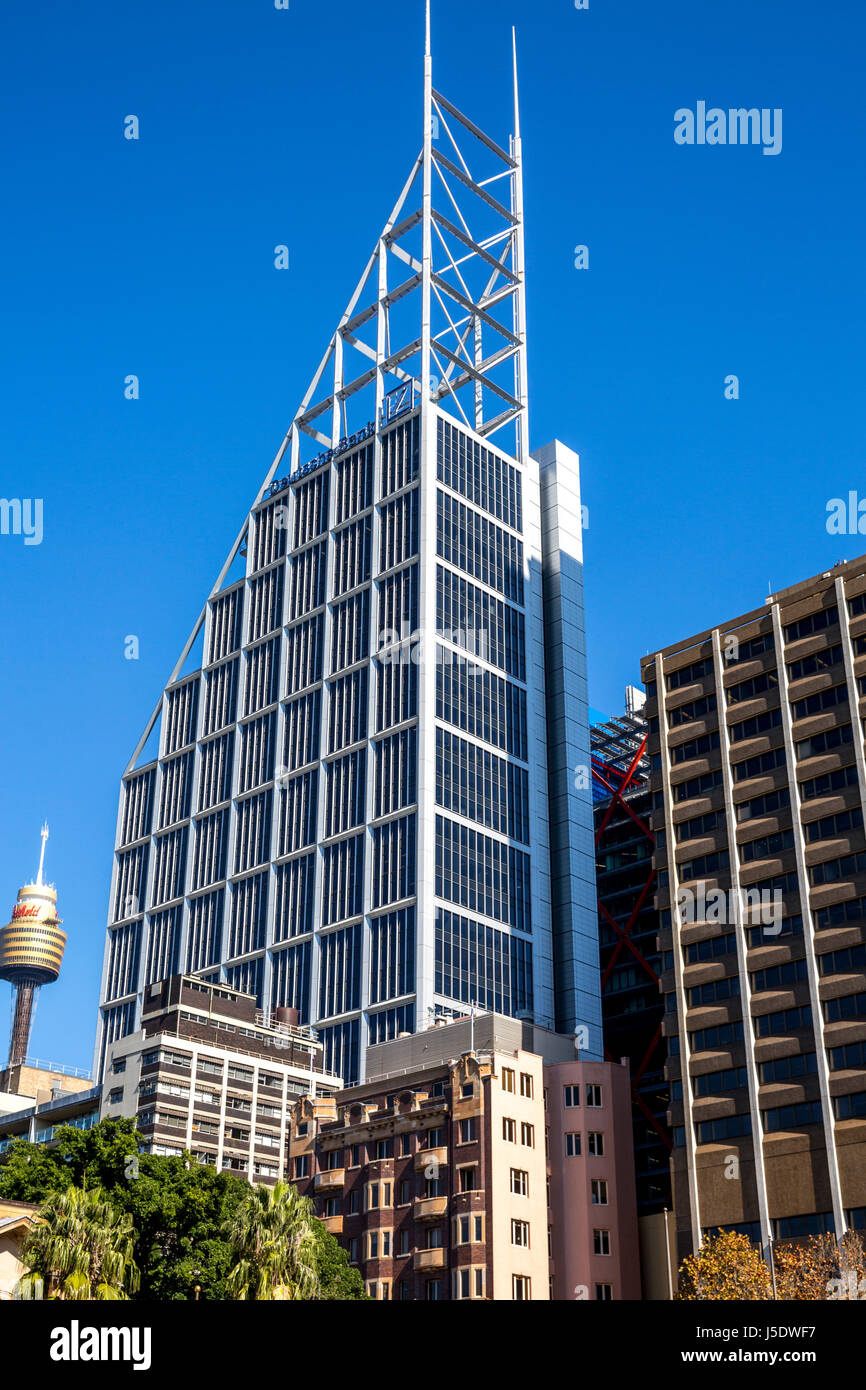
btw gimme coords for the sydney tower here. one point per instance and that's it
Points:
(31, 953)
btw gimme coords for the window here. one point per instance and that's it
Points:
(379, 1289)
(716, 1083)
(463, 1227)
(118, 1066)
(847, 1006)
(521, 1288)
(852, 1055)
(794, 1227)
(116, 1096)
(509, 1130)
(468, 1131)
(730, 1127)
(687, 675)
(598, 1188)
(851, 1106)
(433, 1291)
(463, 1283)
(403, 1245)
(354, 1203)
(571, 1096)
(526, 1084)
(405, 1192)
(595, 1143)
(405, 1145)
(384, 1148)
(468, 1178)
(435, 1138)
(478, 1229)
(601, 1242)
(433, 1239)
(373, 1245)
(593, 1096)
(572, 1145)
(378, 1195)
(507, 1079)
(779, 975)
(467, 1090)
(520, 1233)
(519, 1182)
(792, 1116)
(527, 1135)
(302, 1164)
(603, 1293)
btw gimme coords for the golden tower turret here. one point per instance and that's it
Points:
(31, 953)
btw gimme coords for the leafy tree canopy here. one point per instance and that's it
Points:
(179, 1208)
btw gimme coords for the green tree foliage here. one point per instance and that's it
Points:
(179, 1209)
(30, 1172)
(337, 1279)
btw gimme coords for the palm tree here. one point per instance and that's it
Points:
(273, 1238)
(81, 1248)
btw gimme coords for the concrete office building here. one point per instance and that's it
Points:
(356, 795)
(479, 1160)
(208, 1073)
(759, 784)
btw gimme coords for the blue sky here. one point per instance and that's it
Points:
(260, 127)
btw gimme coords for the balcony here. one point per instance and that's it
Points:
(334, 1224)
(424, 1157)
(327, 1181)
(429, 1259)
(430, 1208)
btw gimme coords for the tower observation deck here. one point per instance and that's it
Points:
(31, 953)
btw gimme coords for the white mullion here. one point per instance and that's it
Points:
(827, 1114)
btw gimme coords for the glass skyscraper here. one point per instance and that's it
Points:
(371, 800)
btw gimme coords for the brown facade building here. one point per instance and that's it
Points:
(480, 1160)
(759, 788)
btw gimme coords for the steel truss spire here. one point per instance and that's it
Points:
(439, 308)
